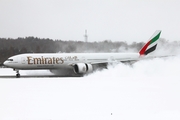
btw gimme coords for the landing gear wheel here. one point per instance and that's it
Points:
(18, 75)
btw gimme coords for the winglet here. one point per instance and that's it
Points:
(151, 45)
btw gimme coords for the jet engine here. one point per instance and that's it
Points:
(82, 68)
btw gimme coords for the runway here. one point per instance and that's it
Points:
(30, 76)
(37, 76)
(9, 73)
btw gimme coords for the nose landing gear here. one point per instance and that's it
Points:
(17, 73)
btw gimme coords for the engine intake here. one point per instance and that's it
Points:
(82, 68)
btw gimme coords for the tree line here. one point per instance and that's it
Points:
(10, 46)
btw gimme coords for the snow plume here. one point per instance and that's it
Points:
(156, 67)
(165, 47)
(148, 89)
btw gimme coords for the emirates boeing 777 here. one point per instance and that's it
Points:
(79, 63)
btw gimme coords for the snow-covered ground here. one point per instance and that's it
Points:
(148, 90)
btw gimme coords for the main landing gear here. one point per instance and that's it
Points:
(17, 73)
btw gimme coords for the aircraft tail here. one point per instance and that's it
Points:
(151, 45)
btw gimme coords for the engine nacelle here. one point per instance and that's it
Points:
(81, 68)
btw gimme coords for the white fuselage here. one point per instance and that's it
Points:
(60, 60)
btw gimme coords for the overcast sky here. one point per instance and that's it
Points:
(116, 20)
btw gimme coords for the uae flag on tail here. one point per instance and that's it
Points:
(151, 45)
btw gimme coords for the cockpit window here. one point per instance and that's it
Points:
(9, 59)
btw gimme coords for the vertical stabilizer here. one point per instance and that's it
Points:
(151, 45)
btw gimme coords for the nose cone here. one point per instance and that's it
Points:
(5, 63)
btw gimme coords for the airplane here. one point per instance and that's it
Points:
(77, 63)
